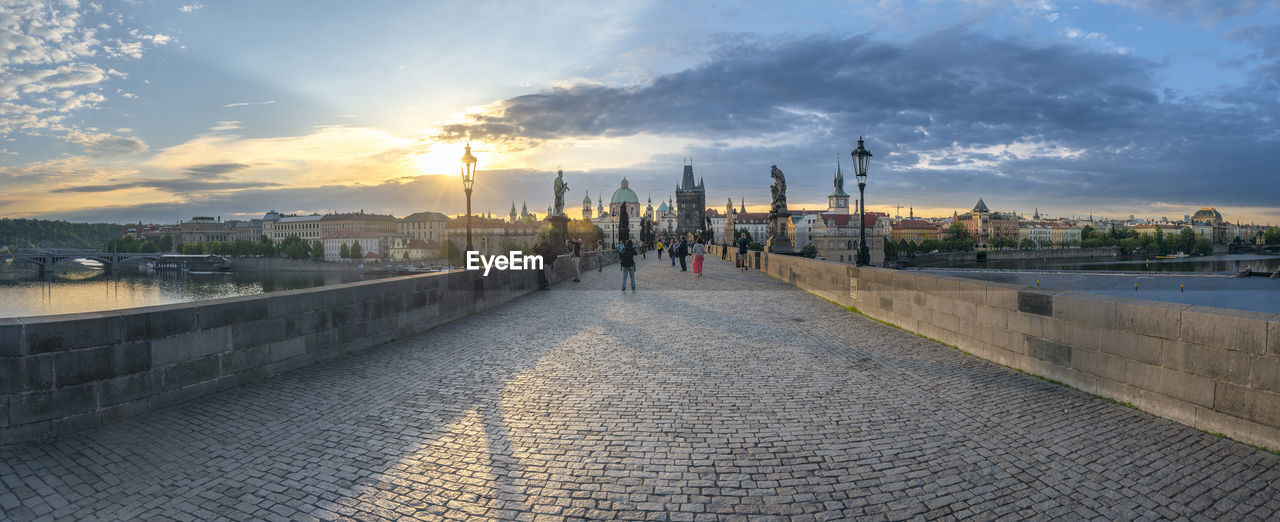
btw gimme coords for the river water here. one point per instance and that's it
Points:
(83, 287)
(1203, 281)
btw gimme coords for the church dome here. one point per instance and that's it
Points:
(586, 198)
(1207, 214)
(663, 207)
(624, 195)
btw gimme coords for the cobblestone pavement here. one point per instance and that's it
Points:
(692, 399)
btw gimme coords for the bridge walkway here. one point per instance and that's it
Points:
(692, 399)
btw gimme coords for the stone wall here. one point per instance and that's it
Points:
(1211, 368)
(64, 373)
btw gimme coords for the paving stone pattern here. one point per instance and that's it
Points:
(723, 397)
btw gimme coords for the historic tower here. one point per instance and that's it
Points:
(586, 207)
(838, 201)
(691, 203)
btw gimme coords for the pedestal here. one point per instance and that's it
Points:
(559, 231)
(779, 242)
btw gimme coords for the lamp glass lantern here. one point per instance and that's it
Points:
(862, 160)
(468, 182)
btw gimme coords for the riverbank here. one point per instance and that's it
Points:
(952, 259)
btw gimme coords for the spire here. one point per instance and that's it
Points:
(744, 205)
(838, 182)
(686, 181)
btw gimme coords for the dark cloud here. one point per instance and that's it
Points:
(1104, 128)
(214, 169)
(176, 186)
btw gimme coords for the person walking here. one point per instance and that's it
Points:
(659, 250)
(699, 252)
(599, 255)
(576, 243)
(671, 251)
(742, 252)
(627, 258)
(683, 252)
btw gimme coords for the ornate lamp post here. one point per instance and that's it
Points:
(468, 181)
(861, 158)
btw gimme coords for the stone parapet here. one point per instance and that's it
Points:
(1211, 368)
(64, 373)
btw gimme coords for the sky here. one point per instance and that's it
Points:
(156, 111)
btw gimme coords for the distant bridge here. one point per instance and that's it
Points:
(49, 258)
(1248, 248)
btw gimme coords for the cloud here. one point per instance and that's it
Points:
(215, 169)
(225, 126)
(191, 8)
(246, 104)
(951, 111)
(177, 186)
(105, 144)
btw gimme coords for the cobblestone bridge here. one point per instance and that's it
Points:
(728, 395)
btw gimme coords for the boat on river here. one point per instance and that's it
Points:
(191, 263)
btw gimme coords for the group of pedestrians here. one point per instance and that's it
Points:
(680, 249)
(677, 250)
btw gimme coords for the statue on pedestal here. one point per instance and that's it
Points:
(779, 241)
(560, 187)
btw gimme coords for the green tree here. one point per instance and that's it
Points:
(811, 251)
(958, 232)
(294, 247)
(147, 247)
(1204, 247)
(192, 249)
(890, 249)
(165, 244)
(357, 252)
(451, 252)
(1271, 236)
(1027, 244)
(243, 248)
(317, 250)
(344, 252)
(406, 255)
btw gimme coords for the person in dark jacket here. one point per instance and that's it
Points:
(627, 258)
(683, 251)
(576, 244)
(742, 251)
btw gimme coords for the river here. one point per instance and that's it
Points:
(1203, 281)
(83, 287)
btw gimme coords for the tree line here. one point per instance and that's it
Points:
(17, 234)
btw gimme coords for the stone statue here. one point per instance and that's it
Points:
(779, 190)
(779, 239)
(560, 188)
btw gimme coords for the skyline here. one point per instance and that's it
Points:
(157, 111)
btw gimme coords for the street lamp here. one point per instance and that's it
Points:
(468, 181)
(861, 158)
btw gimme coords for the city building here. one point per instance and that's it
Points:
(366, 242)
(277, 226)
(913, 231)
(1208, 223)
(491, 236)
(425, 226)
(985, 226)
(408, 249)
(838, 201)
(608, 219)
(837, 236)
(245, 229)
(1037, 232)
(203, 229)
(691, 203)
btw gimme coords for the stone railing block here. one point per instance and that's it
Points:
(1218, 364)
(1231, 329)
(1150, 318)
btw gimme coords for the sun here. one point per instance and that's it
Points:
(444, 159)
